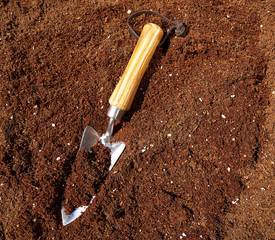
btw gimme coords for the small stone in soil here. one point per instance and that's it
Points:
(89, 172)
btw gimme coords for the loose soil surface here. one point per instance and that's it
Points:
(198, 162)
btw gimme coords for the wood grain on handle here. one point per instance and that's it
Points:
(124, 93)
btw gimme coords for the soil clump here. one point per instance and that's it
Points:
(89, 171)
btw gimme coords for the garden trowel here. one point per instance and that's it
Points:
(120, 101)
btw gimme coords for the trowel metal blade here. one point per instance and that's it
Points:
(89, 139)
(116, 150)
(67, 219)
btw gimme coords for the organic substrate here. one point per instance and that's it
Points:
(195, 135)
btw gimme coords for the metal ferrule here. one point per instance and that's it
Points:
(115, 112)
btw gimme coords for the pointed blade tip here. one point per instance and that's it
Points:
(67, 219)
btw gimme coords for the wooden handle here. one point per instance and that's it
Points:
(125, 91)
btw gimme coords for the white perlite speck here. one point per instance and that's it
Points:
(129, 11)
(53, 125)
(223, 116)
(144, 149)
(58, 158)
(169, 134)
(183, 235)
(228, 169)
(236, 201)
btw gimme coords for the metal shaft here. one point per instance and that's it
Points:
(107, 137)
(115, 114)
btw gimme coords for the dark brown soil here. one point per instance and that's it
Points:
(89, 171)
(195, 164)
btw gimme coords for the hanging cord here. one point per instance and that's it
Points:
(179, 27)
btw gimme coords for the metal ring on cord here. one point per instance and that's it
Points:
(179, 27)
